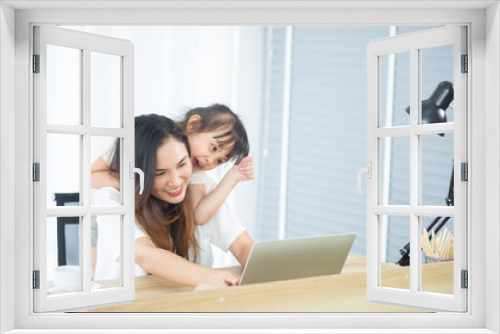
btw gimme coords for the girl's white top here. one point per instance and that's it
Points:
(198, 177)
(220, 231)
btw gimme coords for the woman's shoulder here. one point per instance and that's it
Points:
(139, 232)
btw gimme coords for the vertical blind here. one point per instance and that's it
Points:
(327, 134)
(327, 139)
(327, 144)
(272, 119)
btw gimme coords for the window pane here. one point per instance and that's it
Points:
(63, 255)
(395, 89)
(395, 162)
(394, 230)
(63, 167)
(106, 251)
(105, 90)
(437, 84)
(437, 169)
(104, 147)
(63, 85)
(437, 255)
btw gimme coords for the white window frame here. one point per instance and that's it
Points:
(483, 147)
(414, 43)
(86, 44)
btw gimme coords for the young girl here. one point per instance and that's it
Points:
(216, 135)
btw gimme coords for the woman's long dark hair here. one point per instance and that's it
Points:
(170, 226)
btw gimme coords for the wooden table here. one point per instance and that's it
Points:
(334, 293)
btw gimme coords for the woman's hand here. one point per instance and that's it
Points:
(173, 268)
(244, 171)
(221, 279)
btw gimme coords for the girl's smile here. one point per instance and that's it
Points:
(196, 164)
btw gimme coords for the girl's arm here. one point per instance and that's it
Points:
(100, 176)
(241, 248)
(176, 269)
(206, 205)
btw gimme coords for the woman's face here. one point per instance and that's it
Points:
(205, 151)
(173, 169)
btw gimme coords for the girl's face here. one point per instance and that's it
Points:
(205, 151)
(173, 169)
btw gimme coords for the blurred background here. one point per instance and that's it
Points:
(301, 93)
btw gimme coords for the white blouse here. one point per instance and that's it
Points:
(221, 231)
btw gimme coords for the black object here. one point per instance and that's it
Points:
(433, 109)
(64, 199)
(450, 201)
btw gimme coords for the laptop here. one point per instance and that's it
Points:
(279, 260)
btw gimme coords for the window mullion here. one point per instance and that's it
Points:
(372, 185)
(128, 193)
(85, 159)
(386, 183)
(85, 177)
(81, 130)
(415, 169)
(285, 133)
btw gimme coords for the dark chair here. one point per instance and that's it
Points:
(68, 228)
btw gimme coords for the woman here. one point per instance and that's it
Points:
(167, 242)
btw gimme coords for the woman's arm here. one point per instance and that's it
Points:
(176, 269)
(241, 248)
(100, 176)
(206, 205)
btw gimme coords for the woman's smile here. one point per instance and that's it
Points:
(175, 192)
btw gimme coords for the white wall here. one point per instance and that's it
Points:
(492, 162)
(7, 170)
(246, 100)
(248, 104)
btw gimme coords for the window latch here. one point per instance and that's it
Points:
(134, 170)
(368, 171)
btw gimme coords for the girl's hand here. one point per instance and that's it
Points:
(244, 170)
(222, 279)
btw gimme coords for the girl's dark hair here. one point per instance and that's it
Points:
(170, 226)
(219, 116)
